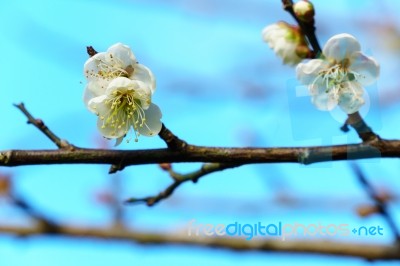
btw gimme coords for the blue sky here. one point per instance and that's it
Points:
(217, 84)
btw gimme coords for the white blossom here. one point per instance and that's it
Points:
(338, 77)
(286, 41)
(126, 107)
(118, 61)
(119, 92)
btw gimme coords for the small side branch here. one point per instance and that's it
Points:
(179, 179)
(39, 124)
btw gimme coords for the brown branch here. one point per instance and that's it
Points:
(179, 179)
(344, 249)
(39, 124)
(303, 155)
(179, 151)
(172, 141)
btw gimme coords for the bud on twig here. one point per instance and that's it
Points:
(304, 11)
(165, 166)
(5, 185)
(367, 210)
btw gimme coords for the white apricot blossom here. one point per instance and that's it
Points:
(286, 41)
(118, 61)
(119, 92)
(124, 108)
(338, 77)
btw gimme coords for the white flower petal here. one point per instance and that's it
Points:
(87, 96)
(153, 124)
(144, 74)
(104, 124)
(94, 103)
(272, 33)
(351, 99)
(141, 91)
(110, 132)
(118, 141)
(325, 101)
(366, 66)
(121, 53)
(120, 84)
(307, 72)
(96, 88)
(284, 39)
(91, 67)
(341, 46)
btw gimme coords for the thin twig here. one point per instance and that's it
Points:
(381, 205)
(179, 179)
(39, 124)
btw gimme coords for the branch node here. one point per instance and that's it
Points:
(172, 141)
(304, 156)
(287, 4)
(345, 128)
(363, 130)
(115, 168)
(5, 157)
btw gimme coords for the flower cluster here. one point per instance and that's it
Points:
(119, 92)
(337, 77)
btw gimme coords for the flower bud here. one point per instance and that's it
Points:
(165, 166)
(304, 10)
(302, 51)
(5, 185)
(367, 210)
(287, 41)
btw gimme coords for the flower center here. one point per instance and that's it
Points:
(124, 111)
(335, 76)
(110, 69)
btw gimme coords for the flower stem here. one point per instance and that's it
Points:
(308, 28)
(363, 130)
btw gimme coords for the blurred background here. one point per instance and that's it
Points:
(218, 84)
